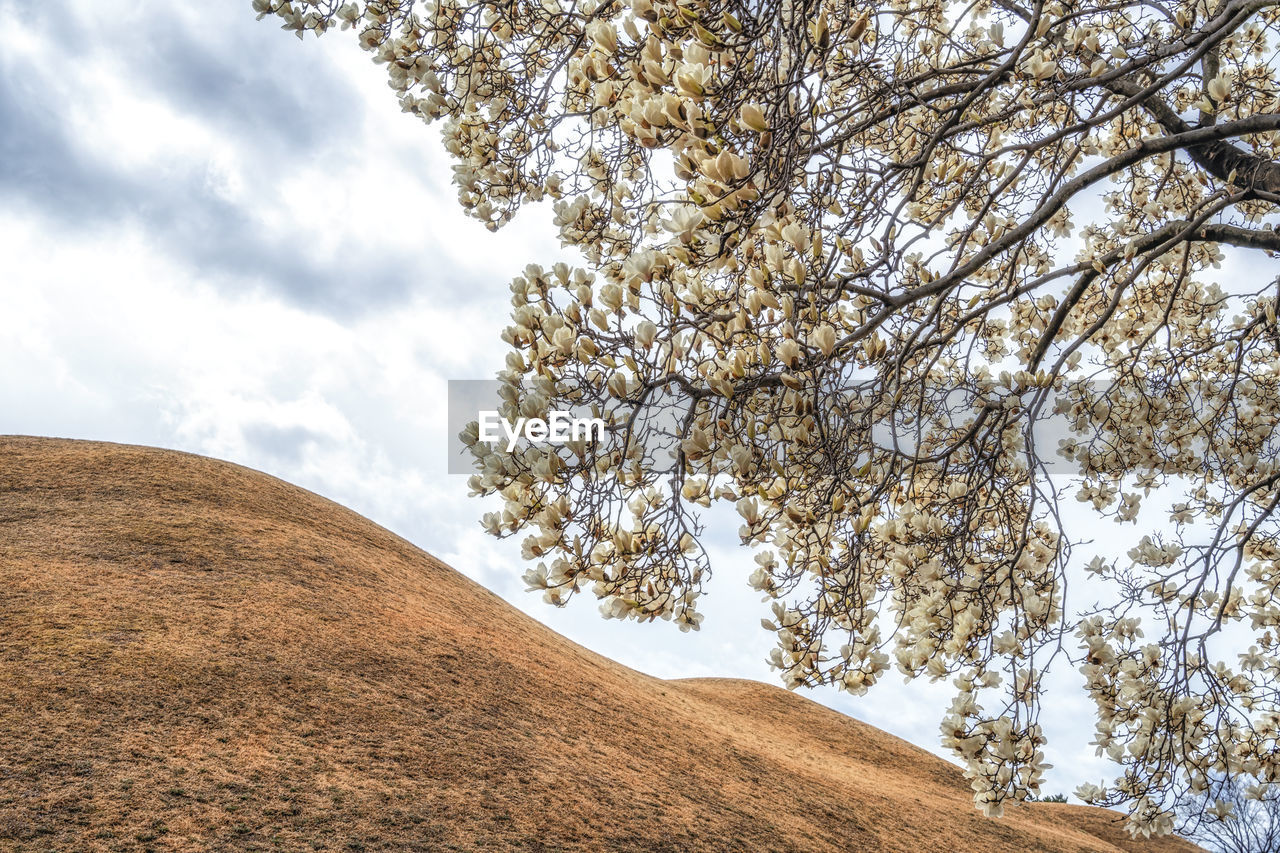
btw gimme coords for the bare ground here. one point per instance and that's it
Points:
(196, 656)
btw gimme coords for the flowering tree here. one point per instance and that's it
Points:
(840, 259)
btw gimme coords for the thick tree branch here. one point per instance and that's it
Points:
(1234, 235)
(1218, 157)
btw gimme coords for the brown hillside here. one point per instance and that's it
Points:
(196, 656)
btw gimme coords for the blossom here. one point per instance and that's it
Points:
(753, 117)
(820, 282)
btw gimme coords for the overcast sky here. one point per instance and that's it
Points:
(222, 240)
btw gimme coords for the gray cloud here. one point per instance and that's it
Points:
(286, 444)
(242, 80)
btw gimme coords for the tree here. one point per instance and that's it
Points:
(830, 260)
(1236, 816)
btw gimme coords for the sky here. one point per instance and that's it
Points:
(218, 239)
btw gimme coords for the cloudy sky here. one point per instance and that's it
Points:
(222, 240)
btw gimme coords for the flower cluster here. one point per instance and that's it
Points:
(832, 273)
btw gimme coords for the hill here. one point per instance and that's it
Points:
(196, 656)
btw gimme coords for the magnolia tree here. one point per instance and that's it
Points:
(842, 260)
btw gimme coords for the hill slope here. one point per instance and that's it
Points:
(196, 656)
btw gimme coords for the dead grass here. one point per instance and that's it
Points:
(195, 656)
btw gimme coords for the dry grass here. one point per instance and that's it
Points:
(195, 656)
